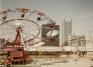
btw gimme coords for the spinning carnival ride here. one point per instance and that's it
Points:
(20, 27)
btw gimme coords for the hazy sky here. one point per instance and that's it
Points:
(81, 11)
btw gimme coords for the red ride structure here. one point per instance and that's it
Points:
(16, 50)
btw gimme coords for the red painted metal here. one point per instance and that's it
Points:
(16, 50)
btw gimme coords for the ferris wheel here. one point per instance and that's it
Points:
(22, 24)
(21, 28)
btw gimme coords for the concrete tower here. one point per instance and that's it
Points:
(65, 31)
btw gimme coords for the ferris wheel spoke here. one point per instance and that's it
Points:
(30, 30)
(8, 29)
(5, 33)
(11, 26)
(31, 37)
(29, 27)
(46, 40)
(7, 25)
(24, 41)
(28, 34)
(2, 23)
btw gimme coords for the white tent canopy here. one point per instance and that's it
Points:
(52, 33)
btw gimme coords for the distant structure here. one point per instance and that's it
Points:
(65, 31)
(77, 41)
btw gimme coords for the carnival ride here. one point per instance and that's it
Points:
(21, 30)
